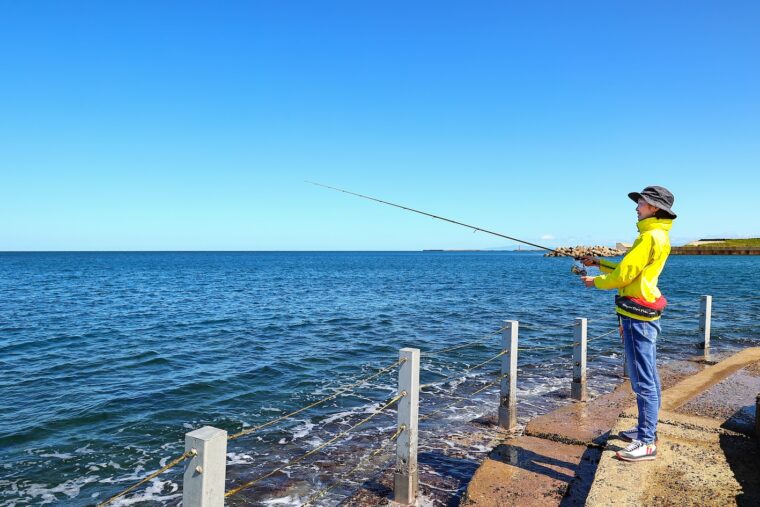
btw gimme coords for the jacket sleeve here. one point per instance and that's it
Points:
(629, 267)
(607, 266)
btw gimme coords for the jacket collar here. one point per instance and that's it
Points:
(650, 224)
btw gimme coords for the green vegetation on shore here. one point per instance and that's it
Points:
(736, 243)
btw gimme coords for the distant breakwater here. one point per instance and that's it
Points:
(580, 250)
(604, 251)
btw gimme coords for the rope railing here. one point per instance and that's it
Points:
(315, 450)
(364, 461)
(173, 463)
(566, 345)
(681, 318)
(455, 403)
(408, 417)
(462, 372)
(482, 339)
(544, 326)
(549, 347)
(599, 336)
(342, 390)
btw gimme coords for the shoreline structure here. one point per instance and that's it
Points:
(708, 446)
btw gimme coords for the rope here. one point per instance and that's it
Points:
(679, 318)
(576, 324)
(552, 347)
(441, 489)
(171, 464)
(465, 371)
(248, 484)
(319, 494)
(490, 384)
(602, 335)
(433, 353)
(340, 391)
(573, 344)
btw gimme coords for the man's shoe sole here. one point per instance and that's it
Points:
(649, 457)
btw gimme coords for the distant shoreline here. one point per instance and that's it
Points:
(714, 250)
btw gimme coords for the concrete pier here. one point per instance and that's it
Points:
(707, 452)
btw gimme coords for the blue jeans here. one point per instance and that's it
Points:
(640, 340)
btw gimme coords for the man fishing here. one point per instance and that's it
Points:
(639, 305)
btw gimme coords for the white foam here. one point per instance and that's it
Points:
(424, 501)
(337, 416)
(59, 455)
(234, 458)
(315, 441)
(152, 493)
(136, 475)
(302, 430)
(85, 450)
(46, 495)
(292, 500)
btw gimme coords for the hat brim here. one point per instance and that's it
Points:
(635, 196)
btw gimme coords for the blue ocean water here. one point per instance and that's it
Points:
(108, 359)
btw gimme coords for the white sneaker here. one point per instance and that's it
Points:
(638, 451)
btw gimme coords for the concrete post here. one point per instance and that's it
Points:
(705, 316)
(578, 387)
(405, 481)
(508, 384)
(204, 476)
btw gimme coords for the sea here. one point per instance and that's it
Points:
(107, 360)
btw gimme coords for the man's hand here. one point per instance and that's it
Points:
(589, 260)
(588, 281)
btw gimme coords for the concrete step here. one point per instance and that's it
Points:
(566, 457)
(707, 453)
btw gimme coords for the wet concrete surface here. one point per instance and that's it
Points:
(532, 471)
(589, 423)
(697, 384)
(731, 400)
(554, 461)
(582, 423)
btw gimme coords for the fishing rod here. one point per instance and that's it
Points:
(574, 270)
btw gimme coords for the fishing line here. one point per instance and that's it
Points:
(474, 228)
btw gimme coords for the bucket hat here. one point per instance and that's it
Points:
(659, 197)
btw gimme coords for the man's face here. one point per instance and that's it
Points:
(645, 210)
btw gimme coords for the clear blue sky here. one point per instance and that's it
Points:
(193, 125)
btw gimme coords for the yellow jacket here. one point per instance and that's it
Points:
(636, 275)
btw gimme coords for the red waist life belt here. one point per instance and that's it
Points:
(658, 304)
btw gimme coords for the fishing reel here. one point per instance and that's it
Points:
(578, 269)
